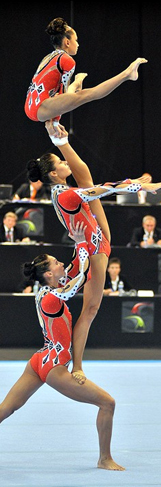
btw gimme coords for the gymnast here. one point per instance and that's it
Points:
(50, 364)
(53, 75)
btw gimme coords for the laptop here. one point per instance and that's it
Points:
(132, 198)
(154, 199)
(6, 191)
(127, 199)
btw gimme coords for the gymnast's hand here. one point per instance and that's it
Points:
(57, 139)
(145, 178)
(58, 130)
(77, 232)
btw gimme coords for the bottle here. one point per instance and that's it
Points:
(142, 197)
(121, 288)
(145, 239)
(36, 287)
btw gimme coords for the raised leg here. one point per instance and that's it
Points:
(58, 105)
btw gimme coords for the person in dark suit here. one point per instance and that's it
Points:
(114, 277)
(9, 232)
(148, 234)
(34, 191)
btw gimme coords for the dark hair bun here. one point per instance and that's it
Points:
(29, 270)
(33, 170)
(57, 26)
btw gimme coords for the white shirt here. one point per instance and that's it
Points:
(115, 283)
(10, 231)
(149, 234)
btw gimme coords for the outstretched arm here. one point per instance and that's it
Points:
(82, 174)
(100, 191)
(79, 168)
(151, 187)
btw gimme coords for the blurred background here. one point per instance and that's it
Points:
(118, 136)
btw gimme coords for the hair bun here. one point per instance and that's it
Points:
(57, 26)
(33, 170)
(29, 270)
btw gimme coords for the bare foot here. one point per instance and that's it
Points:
(132, 70)
(79, 80)
(109, 464)
(79, 376)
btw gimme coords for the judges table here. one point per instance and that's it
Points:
(122, 219)
(125, 322)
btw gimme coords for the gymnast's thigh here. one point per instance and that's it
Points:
(61, 380)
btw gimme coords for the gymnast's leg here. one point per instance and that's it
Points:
(60, 379)
(64, 103)
(92, 297)
(22, 390)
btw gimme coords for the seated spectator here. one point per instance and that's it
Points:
(9, 232)
(148, 234)
(34, 191)
(113, 277)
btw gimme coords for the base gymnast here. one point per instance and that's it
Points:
(50, 364)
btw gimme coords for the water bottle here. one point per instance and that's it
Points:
(145, 239)
(36, 287)
(121, 288)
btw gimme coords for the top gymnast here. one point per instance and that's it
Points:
(53, 77)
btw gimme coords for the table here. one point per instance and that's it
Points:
(142, 267)
(122, 219)
(20, 327)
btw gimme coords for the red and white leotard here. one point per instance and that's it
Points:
(70, 203)
(52, 76)
(55, 318)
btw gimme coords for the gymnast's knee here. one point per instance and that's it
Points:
(91, 310)
(5, 413)
(110, 404)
